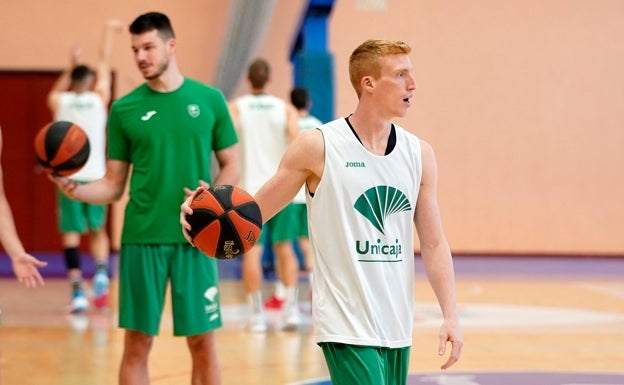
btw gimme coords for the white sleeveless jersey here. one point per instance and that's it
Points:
(263, 141)
(87, 110)
(305, 123)
(361, 232)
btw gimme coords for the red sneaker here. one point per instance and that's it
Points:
(274, 303)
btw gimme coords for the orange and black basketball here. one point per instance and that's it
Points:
(62, 148)
(226, 221)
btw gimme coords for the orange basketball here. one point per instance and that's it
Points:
(62, 148)
(226, 221)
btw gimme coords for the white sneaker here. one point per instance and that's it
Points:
(257, 323)
(79, 303)
(291, 318)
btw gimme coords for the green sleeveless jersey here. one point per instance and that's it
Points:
(168, 138)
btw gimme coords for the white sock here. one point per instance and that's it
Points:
(292, 295)
(280, 290)
(255, 302)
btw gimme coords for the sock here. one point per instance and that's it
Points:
(280, 290)
(255, 302)
(292, 295)
(101, 267)
(76, 285)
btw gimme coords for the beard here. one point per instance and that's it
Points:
(161, 69)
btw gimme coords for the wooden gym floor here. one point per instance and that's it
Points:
(519, 315)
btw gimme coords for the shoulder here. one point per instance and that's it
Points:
(136, 94)
(309, 142)
(425, 147)
(197, 86)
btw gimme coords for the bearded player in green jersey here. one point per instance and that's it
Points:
(166, 129)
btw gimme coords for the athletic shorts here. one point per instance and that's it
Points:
(352, 364)
(145, 270)
(301, 219)
(280, 228)
(80, 217)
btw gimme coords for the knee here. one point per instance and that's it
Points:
(137, 345)
(201, 343)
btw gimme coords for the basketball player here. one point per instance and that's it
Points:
(81, 96)
(368, 182)
(166, 129)
(265, 125)
(300, 99)
(24, 265)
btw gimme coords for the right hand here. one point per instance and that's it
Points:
(115, 24)
(74, 54)
(65, 184)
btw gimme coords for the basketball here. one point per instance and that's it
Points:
(226, 221)
(62, 148)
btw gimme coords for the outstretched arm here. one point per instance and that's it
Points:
(103, 69)
(302, 163)
(64, 80)
(105, 190)
(24, 265)
(436, 255)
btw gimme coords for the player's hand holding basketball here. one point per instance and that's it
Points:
(185, 209)
(62, 149)
(222, 221)
(65, 184)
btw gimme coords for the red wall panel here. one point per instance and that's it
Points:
(31, 195)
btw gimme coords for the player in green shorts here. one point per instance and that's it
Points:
(75, 219)
(81, 95)
(162, 135)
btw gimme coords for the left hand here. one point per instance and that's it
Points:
(25, 269)
(188, 192)
(185, 208)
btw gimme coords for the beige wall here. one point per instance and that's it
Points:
(522, 100)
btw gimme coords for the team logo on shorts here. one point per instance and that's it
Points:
(211, 306)
(193, 110)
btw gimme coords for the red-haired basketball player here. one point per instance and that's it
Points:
(368, 182)
(265, 125)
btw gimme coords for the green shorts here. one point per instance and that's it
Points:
(352, 364)
(280, 228)
(144, 272)
(80, 217)
(301, 219)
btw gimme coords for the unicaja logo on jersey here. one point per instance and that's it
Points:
(376, 204)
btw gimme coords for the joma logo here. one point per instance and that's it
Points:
(355, 164)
